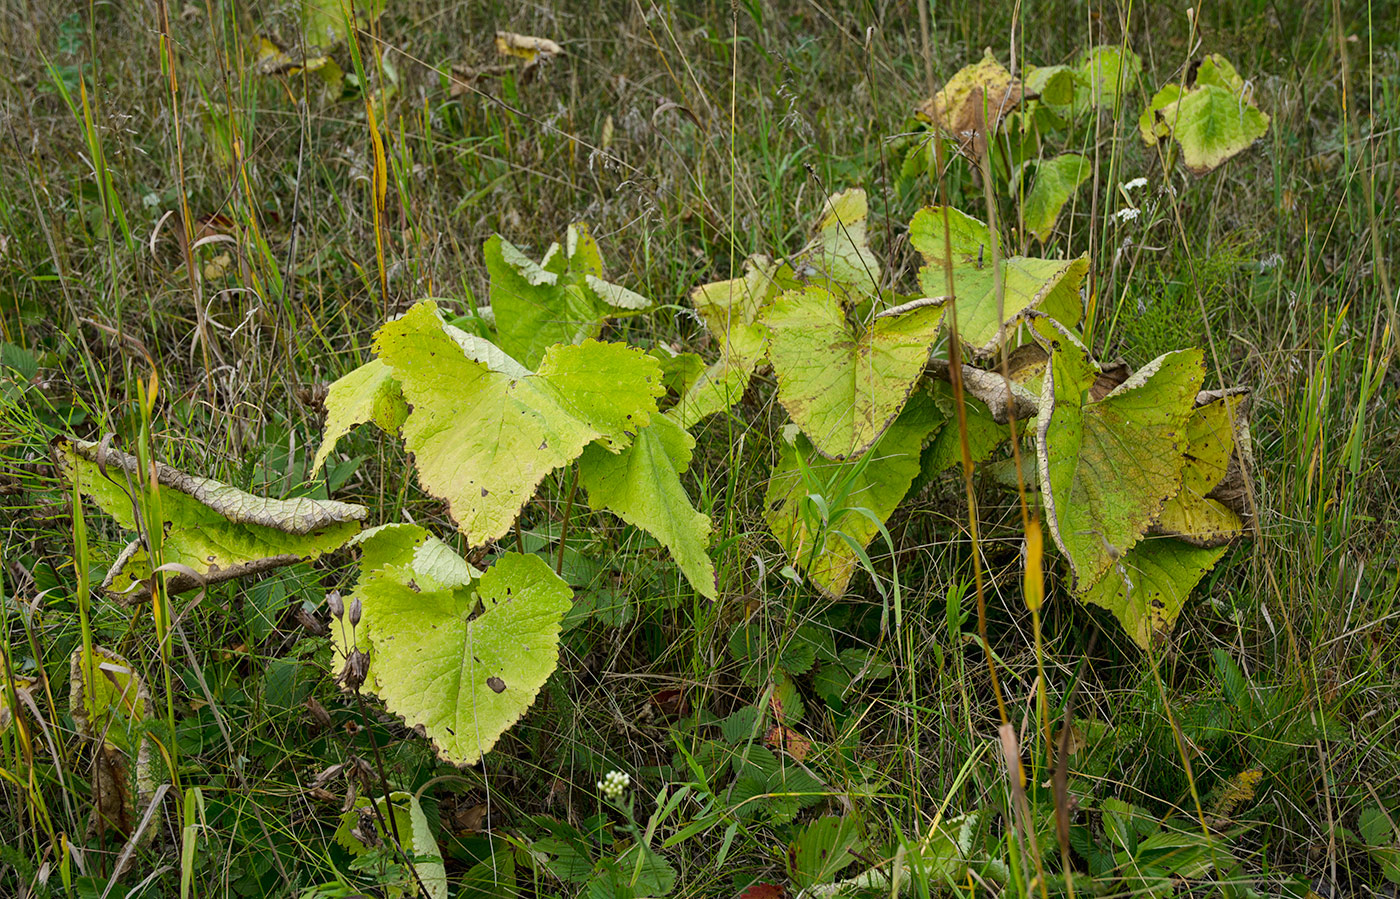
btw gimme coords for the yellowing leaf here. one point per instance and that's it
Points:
(464, 677)
(112, 707)
(1048, 285)
(1147, 587)
(216, 530)
(723, 383)
(642, 485)
(1107, 466)
(369, 393)
(526, 47)
(483, 440)
(727, 305)
(844, 385)
(974, 101)
(1192, 514)
(841, 254)
(1212, 117)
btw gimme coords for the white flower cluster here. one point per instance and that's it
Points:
(613, 783)
(1127, 214)
(1135, 184)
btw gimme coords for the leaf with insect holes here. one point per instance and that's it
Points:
(422, 559)
(974, 100)
(112, 707)
(217, 531)
(408, 820)
(1056, 180)
(1048, 285)
(465, 676)
(1193, 514)
(1212, 117)
(483, 440)
(840, 252)
(642, 485)
(843, 384)
(369, 393)
(876, 483)
(564, 299)
(1107, 466)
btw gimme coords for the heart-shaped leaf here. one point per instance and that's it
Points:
(465, 676)
(1107, 466)
(1048, 285)
(1212, 117)
(843, 384)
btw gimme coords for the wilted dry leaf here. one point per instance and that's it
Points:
(977, 98)
(780, 736)
(526, 47)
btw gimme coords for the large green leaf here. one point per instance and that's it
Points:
(1147, 587)
(1213, 117)
(1192, 514)
(642, 485)
(407, 819)
(843, 384)
(1056, 180)
(1049, 285)
(562, 300)
(369, 393)
(1104, 72)
(875, 483)
(465, 676)
(483, 440)
(215, 530)
(1109, 464)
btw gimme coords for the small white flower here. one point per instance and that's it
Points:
(1135, 184)
(613, 783)
(1127, 214)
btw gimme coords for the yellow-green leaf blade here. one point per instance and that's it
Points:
(843, 388)
(465, 679)
(1148, 587)
(369, 393)
(483, 440)
(642, 485)
(1107, 467)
